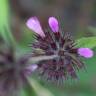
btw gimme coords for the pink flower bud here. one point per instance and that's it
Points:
(53, 23)
(85, 52)
(34, 24)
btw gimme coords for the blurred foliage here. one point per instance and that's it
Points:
(89, 42)
(92, 30)
(5, 31)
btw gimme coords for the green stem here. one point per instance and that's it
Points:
(5, 31)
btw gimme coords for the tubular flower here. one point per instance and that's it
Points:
(13, 72)
(56, 42)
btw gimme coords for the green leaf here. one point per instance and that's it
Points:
(27, 36)
(89, 42)
(40, 90)
(28, 90)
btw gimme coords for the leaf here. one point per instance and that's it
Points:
(40, 90)
(89, 42)
(28, 90)
(27, 36)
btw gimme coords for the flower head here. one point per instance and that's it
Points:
(13, 72)
(61, 44)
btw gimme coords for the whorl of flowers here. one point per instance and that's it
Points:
(13, 72)
(61, 44)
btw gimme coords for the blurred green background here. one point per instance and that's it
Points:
(76, 16)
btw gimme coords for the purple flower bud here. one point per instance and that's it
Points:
(53, 23)
(33, 24)
(85, 52)
(31, 68)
